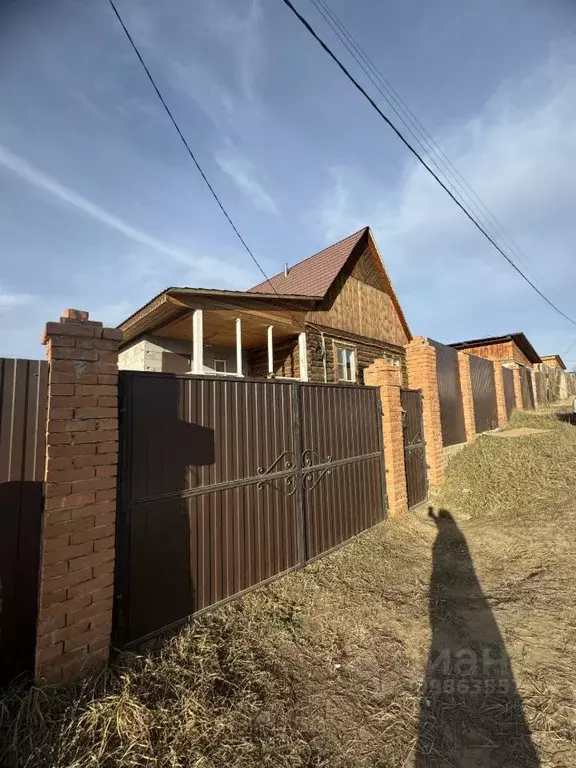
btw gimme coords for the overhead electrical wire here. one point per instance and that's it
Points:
(192, 155)
(420, 159)
(438, 158)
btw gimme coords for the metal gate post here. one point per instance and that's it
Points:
(300, 497)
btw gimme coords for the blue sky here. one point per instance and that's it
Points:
(101, 208)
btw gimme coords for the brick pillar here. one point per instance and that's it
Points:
(467, 399)
(78, 527)
(421, 368)
(500, 399)
(388, 378)
(518, 389)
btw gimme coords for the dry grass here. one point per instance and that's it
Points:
(322, 667)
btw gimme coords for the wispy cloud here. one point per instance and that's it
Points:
(518, 155)
(242, 172)
(9, 301)
(63, 194)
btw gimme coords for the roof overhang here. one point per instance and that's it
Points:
(558, 359)
(518, 338)
(174, 304)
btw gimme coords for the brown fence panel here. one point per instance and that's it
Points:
(226, 483)
(207, 493)
(450, 395)
(343, 475)
(526, 387)
(509, 393)
(23, 387)
(414, 447)
(483, 394)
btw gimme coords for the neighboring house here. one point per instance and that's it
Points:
(512, 350)
(325, 319)
(553, 361)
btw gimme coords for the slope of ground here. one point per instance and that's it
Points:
(326, 667)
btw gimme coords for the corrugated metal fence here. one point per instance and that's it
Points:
(450, 395)
(483, 394)
(526, 387)
(509, 393)
(228, 482)
(414, 447)
(23, 387)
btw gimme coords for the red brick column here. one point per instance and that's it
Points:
(421, 367)
(387, 377)
(518, 389)
(500, 399)
(467, 399)
(78, 528)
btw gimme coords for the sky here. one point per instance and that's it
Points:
(101, 208)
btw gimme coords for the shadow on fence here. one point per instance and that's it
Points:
(20, 520)
(471, 713)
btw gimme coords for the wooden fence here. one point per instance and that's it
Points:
(23, 386)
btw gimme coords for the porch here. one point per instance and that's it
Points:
(218, 332)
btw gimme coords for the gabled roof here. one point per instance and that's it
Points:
(554, 357)
(518, 338)
(314, 275)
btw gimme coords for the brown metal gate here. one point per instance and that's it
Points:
(509, 393)
(227, 482)
(450, 395)
(526, 387)
(414, 447)
(483, 394)
(23, 389)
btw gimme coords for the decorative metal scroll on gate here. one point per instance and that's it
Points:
(310, 467)
(273, 470)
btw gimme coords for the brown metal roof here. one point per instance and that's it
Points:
(518, 338)
(314, 275)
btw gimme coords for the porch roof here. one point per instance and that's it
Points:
(168, 315)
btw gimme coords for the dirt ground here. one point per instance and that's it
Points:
(441, 639)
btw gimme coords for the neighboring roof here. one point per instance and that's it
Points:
(554, 357)
(314, 275)
(518, 338)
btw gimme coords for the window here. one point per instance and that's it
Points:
(220, 366)
(346, 359)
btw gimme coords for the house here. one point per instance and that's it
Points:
(512, 350)
(553, 361)
(325, 319)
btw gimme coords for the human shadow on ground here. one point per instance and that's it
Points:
(471, 714)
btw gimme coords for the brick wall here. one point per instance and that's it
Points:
(467, 397)
(518, 389)
(422, 374)
(388, 378)
(78, 527)
(500, 399)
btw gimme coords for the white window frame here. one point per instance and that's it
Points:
(225, 362)
(353, 362)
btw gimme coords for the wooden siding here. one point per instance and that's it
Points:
(359, 302)
(366, 352)
(506, 351)
(286, 361)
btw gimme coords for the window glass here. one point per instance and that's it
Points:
(220, 366)
(346, 364)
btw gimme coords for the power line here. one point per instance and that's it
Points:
(419, 157)
(437, 157)
(192, 155)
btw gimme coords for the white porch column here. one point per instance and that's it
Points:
(197, 342)
(303, 356)
(270, 350)
(239, 371)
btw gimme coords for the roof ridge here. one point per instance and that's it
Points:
(313, 256)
